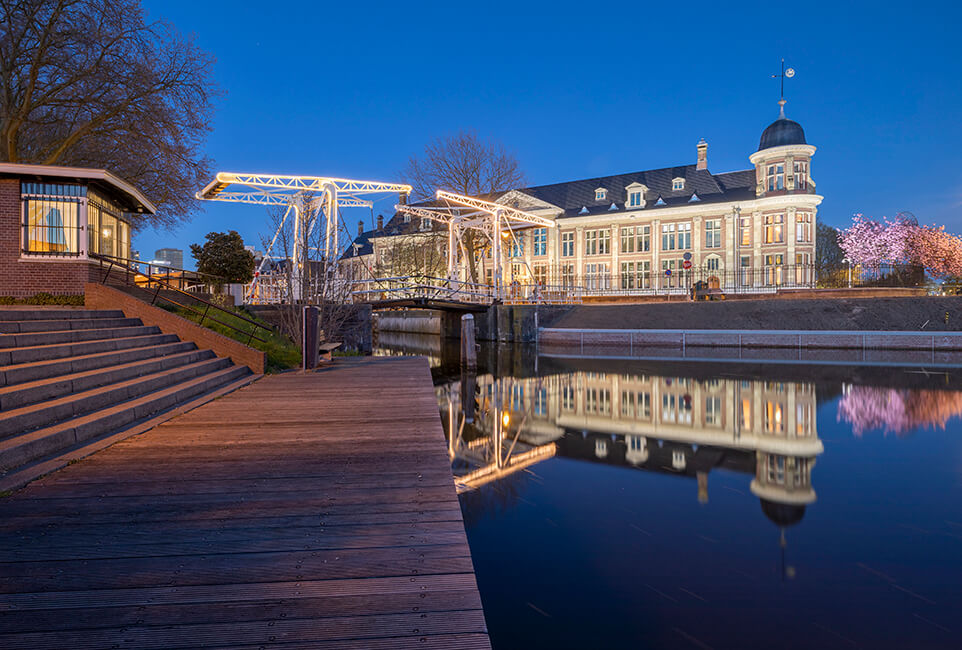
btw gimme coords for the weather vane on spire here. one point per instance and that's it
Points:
(786, 73)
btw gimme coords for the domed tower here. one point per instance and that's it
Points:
(783, 162)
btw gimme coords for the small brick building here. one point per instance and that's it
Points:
(53, 218)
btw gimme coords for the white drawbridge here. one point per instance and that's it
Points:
(311, 199)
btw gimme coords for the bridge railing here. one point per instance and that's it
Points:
(431, 288)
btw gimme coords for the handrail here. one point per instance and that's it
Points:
(160, 282)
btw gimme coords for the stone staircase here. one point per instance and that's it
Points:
(73, 381)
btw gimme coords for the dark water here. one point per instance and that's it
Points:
(650, 505)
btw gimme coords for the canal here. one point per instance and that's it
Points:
(616, 504)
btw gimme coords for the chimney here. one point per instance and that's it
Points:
(402, 198)
(380, 222)
(360, 228)
(702, 155)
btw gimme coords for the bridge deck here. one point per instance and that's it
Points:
(310, 510)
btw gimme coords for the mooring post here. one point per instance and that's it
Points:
(310, 335)
(469, 353)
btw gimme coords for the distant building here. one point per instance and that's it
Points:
(135, 255)
(173, 256)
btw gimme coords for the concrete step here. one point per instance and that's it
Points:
(20, 476)
(26, 326)
(34, 371)
(51, 388)
(73, 336)
(33, 313)
(27, 448)
(27, 418)
(35, 353)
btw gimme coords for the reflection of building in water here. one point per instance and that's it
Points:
(897, 411)
(663, 424)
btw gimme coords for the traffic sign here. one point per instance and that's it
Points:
(686, 264)
(686, 257)
(668, 272)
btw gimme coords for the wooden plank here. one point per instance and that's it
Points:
(297, 510)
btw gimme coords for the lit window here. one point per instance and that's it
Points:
(677, 184)
(803, 227)
(774, 232)
(746, 236)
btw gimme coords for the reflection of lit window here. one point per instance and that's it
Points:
(541, 402)
(746, 414)
(774, 422)
(713, 411)
(568, 398)
(601, 448)
(803, 419)
(678, 460)
(627, 404)
(644, 405)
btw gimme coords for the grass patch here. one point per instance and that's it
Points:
(44, 299)
(282, 354)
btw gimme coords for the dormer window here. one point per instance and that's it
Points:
(407, 218)
(677, 184)
(601, 194)
(636, 195)
(425, 224)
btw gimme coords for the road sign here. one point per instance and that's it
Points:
(668, 272)
(686, 264)
(686, 257)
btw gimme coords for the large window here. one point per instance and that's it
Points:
(713, 233)
(773, 269)
(668, 237)
(774, 231)
(597, 242)
(627, 239)
(540, 236)
(801, 175)
(644, 239)
(567, 244)
(803, 227)
(51, 218)
(684, 235)
(776, 177)
(746, 235)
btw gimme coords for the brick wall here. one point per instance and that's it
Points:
(19, 278)
(98, 296)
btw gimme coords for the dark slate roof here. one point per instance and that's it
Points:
(781, 132)
(574, 196)
(363, 243)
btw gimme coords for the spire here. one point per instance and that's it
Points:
(781, 108)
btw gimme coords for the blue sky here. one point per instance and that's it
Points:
(581, 90)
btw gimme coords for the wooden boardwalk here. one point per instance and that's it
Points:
(304, 511)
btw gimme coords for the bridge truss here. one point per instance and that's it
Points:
(311, 199)
(496, 222)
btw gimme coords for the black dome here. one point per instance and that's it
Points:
(783, 514)
(781, 132)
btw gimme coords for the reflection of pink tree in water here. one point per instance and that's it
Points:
(897, 411)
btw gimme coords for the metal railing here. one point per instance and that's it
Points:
(127, 271)
(431, 288)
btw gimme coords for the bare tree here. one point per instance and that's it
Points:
(91, 83)
(465, 164)
(319, 284)
(418, 253)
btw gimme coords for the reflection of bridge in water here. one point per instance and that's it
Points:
(673, 425)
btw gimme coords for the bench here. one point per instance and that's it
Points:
(327, 348)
